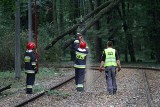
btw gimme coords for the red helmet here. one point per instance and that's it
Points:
(30, 46)
(82, 45)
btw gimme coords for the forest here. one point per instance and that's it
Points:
(133, 25)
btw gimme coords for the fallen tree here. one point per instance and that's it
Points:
(103, 12)
(79, 23)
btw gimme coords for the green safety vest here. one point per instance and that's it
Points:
(110, 57)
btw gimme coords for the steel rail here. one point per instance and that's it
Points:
(148, 91)
(131, 67)
(93, 68)
(43, 93)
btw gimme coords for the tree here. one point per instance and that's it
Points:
(17, 41)
(105, 8)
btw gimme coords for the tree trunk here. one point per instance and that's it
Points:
(54, 20)
(98, 40)
(98, 16)
(155, 28)
(17, 41)
(29, 20)
(61, 23)
(91, 4)
(126, 53)
(128, 36)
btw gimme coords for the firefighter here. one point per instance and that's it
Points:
(110, 60)
(80, 62)
(30, 67)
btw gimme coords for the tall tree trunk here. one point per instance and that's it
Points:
(61, 22)
(91, 4)
(98, 40)
(54, 20)
(76, 9)
(29, 20)
(129, 37)
(17, 41)
(155, 28)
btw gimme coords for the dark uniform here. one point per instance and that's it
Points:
(80, 65)
(30, 67)
(110, 56)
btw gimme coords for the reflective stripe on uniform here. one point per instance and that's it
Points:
(80, 56)
(81, 53)
(30, 71)
(80, 85)
(33, 63)
(29, 86)
(27, 59)
(79, 66)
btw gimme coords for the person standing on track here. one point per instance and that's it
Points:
(110, 60)
(80, 61)
(30, 67)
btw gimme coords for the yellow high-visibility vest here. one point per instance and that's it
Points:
(110, 57)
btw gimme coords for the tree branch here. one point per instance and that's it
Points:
(104, 11)
(76, 26)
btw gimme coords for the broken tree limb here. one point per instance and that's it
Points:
(97, 10)
(5, 88)
(61, 36)
(68, 44)
(76, 26)
(103, 12)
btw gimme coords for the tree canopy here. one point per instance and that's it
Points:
(133, 25)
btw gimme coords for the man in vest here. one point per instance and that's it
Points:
(80, 62)
(110, 60)
(30, 67)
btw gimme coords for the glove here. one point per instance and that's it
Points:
(76, 41)
(100, 69)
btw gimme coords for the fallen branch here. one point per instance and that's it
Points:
(76, 26)
(5, 88)
(103, 12)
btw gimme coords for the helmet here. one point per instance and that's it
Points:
(30, 46)
(82, 45)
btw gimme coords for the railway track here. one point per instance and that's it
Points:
(147, 86)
